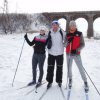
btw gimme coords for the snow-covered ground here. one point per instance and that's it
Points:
(10, 48)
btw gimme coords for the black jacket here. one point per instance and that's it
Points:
(39, 42)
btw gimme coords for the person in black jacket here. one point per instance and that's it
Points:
(39, 42)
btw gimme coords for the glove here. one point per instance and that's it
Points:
(25, 36)
(73, 51)
(70, 39)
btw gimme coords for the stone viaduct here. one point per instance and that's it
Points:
(90, 16)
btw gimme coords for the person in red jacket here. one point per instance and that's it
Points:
(75, 43)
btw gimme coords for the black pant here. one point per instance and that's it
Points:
(38, 59)
(50, 70)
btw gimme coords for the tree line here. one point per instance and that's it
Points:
(11, 23)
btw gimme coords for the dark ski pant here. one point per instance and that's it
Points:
(50, 70)
(38, 59)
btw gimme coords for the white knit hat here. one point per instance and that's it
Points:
(72, 24)
(42, 28)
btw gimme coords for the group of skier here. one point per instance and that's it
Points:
(56, 40)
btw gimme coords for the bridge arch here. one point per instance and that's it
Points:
(82, 25)
(96, 27)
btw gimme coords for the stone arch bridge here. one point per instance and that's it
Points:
(90, 16)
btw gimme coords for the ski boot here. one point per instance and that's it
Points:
(49, 85)
(32, 83)
(38, 84)
(59, 84)
(70, 83)
(86, 87)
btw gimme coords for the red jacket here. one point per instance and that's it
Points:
(75, 44)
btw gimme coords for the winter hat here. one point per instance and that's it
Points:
(42, 28)
(55, 22)
(72, 24)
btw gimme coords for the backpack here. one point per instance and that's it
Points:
(49, 43)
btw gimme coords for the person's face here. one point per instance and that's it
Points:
(72, 29)
(55, 27)
(42, 32)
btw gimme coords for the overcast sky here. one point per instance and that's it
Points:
(36, 6)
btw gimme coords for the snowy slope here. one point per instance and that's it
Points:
(10, 47)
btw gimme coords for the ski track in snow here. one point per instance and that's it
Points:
(10, 48)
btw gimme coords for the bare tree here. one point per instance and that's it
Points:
(20, 22)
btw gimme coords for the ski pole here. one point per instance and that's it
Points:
(68, 65)
(91, 81)
(18, 63)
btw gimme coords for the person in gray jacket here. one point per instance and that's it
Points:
(75, 43)
(55, 53)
